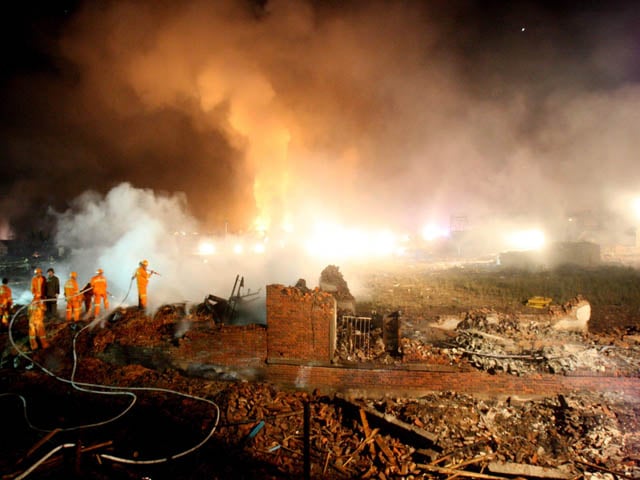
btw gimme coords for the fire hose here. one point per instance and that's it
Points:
(103, 390)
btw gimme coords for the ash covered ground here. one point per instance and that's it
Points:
(122, 418)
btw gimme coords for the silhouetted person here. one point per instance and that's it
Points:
(87, 294)
(51, 291)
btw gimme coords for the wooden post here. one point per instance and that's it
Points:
(307, 440)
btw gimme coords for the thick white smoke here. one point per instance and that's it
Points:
(118, 230)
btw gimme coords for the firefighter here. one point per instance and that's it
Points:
(142, 279)
(73, 297)
(99, 286)
(6, 301)
(38, 284)
(36, 325)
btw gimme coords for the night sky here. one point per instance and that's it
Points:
(375, 111)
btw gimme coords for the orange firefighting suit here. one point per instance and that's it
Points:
(99, 286)
(36, 325)
(74, 299)
(142, 279)
(37, 286)
(6, 301)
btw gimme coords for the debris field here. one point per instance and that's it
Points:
(71, 394)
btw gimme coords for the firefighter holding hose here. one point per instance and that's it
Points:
(73, 297)
(99, 286)
(142, 276)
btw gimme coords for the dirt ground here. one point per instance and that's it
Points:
(158, 423)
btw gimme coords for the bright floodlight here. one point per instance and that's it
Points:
(334, 241)
(259, 248)
(206, 248)
(526, 240)
(431, 232)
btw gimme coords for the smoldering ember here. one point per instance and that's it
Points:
(439, 370)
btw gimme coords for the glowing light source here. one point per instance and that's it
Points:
(432, 231)
(259, 248)
(206, 248)
(526, 239)
(335, 241)
(636, 207)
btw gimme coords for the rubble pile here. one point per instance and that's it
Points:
(386, 438)
(417, 351)
(332, 281)
(270, 425)
(434, 436)
(504, 344)
(346, 352)
(518, 345)
(563, 433)
(267, 432)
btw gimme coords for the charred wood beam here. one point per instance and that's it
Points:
(604, 469)
(391, 421)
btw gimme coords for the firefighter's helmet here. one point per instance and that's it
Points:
(145, 263)
(74, 274)
(38, 271)
(99, 271)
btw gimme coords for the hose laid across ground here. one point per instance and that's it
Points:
(104, 390)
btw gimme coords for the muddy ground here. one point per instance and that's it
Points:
(159, 423)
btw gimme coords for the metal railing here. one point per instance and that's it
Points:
(355, 334)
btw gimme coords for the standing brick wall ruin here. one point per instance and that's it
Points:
(300, 326)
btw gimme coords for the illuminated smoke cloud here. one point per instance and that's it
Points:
(375, 113)
(116, 231)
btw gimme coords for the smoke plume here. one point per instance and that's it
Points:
(116, 231)
(383, 113)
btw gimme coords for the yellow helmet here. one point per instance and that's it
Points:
(38, 271)
(144, 262)
(99, 271)
(74, 274)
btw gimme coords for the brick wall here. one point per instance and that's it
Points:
(229, 345)
(371, 382)
(301, 326)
